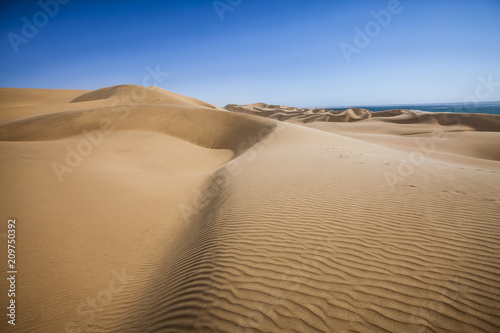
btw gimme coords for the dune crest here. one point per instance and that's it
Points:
(139, 94)
(478, 122)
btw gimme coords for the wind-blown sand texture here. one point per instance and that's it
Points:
(141, 210)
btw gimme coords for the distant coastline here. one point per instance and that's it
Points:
(483, 107)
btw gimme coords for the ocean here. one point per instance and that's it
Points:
(483, 107)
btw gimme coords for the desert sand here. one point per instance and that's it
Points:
(141, 210)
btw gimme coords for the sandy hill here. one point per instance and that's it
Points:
(140, 210)
(140, 95)
(470, 139)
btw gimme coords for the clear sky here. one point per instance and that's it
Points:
(291, 52)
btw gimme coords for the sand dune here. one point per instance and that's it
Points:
(178, 216)
(16, 103)
(139, 94)
(478, 122)
(467, 139)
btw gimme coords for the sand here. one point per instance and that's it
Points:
(141, 210)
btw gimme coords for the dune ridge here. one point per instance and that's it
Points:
(229, 222)
(477, 122)
(139, 94)
(175, 118)
(462, 138)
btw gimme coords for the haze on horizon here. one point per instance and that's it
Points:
(298, 53)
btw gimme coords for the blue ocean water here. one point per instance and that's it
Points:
(483, 107)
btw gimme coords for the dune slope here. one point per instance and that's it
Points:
(336, 249)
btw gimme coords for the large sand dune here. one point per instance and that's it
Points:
(140, 210)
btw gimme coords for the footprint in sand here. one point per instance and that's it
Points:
(454, 192)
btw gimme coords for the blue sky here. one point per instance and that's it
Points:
(279, 52)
